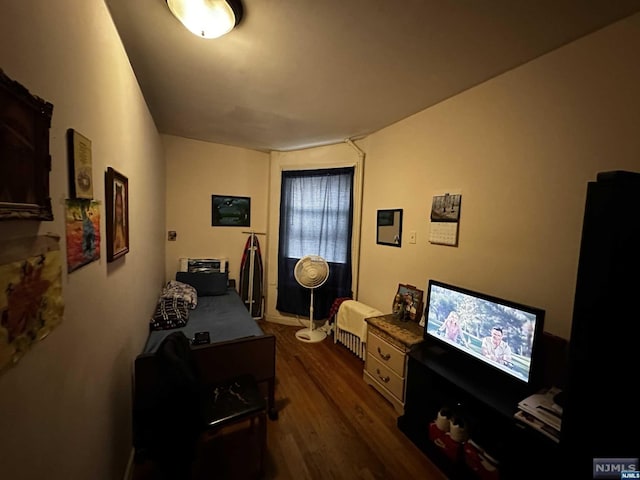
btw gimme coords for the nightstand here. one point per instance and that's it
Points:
(388, 342)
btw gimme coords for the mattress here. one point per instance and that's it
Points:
(225, 317)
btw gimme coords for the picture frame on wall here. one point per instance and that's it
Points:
(389, 227)
(80, 165)
(230, 211)
(25, 162)
(117, 214)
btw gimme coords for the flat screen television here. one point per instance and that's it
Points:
(487, 330)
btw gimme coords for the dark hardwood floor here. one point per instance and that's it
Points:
(331, 425)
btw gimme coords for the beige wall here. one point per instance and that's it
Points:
(521, 149)
(195, 171)
(65, 407)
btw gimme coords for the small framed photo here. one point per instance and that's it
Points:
(80, 165)
(408, 303)
(228, 211)
(116, 189)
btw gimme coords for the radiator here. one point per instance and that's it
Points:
(351, 341)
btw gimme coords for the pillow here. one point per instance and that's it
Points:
(206, 284)
(183, 290)
(172, 312)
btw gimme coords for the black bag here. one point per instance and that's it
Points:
(167, 428)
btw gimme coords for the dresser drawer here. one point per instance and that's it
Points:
(385, 377)
(386, 354)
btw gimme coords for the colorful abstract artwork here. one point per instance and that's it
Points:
(83, 232)
(31, 303)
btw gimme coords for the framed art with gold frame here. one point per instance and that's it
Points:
(116, 189)
(80, 165)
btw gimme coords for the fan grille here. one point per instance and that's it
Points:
(311, 271)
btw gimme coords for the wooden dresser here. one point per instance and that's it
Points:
(388, 342)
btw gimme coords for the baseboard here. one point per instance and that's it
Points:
(288, 320)
(295, 321)
(128, 474)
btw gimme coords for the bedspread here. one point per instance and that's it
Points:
(224, 316)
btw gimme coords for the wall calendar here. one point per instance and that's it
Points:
(445, 219)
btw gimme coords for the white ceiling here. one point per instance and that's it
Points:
(301, 73)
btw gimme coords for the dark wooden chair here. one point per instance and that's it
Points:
(173, 426)
(230, 406)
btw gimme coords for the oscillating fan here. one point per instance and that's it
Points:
(311, 271)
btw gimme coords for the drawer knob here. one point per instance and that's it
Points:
(384, 379)
(384, 356)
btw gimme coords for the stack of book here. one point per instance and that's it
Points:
(541, 412)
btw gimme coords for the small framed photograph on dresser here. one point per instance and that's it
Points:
(408, 303)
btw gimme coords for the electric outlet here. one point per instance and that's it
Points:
(412, 237)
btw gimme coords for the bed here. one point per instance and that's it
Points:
(238, 344)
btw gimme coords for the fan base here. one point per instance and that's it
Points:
(310, 336)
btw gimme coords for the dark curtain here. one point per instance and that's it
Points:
(316, 218)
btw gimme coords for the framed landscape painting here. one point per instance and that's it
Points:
(229, 211)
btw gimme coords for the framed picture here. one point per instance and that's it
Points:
(408, 303)
(80, 165)
(389, 227)
(83, 232)
(25, 162)
(116, 187)
(228, 211)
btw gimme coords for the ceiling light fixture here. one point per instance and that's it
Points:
(207, 18)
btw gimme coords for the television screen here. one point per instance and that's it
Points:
(496, 332)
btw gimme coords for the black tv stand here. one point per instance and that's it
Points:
(437, 378)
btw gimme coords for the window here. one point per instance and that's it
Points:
(316, 218)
